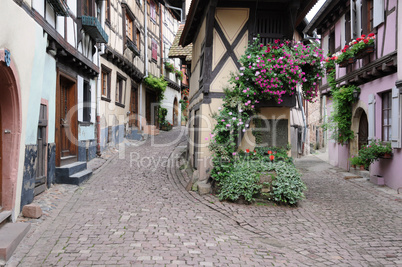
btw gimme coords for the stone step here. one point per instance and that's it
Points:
(11, 235)
(68, 160)
(70, 169)
(4, 216)
(80, 177)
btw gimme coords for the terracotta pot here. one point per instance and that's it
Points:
(362, 167)
(387, 156)
(354, 166)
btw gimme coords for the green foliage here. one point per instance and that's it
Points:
(287, 187)
(169, 66)
(179, 74)
(356, 160)
(242, 181)
(373, 151)
(158, 84)
(340, 120)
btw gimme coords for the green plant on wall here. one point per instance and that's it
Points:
(158, 84)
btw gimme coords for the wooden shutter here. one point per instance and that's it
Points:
(396, 119)
(154, 46)
(371, 116)
(343, 32)
(358, 18)
(378, 12)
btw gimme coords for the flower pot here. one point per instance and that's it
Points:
(362, 168)
(344, 64)
(351, 60)
(387, 156)
(364, 52)
(354, 166)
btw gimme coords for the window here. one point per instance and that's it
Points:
(120, 90)
(153, 10)
(105, 83)
(370, 15)
(138, 38)
(87, 102)
(154, 46)
(269, 26)
(331, 43)
(386, 116)
(348, 28)
(129, 27)
(87, 8)
(107, 10)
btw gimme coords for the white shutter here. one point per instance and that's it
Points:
(343, 34)
(358, 18)
(371, 117)
(80, 97)
(378, 12)
(325, 45)
(396, 120)
(353, 19)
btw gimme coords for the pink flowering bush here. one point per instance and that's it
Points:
(273, 70)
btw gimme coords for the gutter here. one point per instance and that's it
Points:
(145, 59)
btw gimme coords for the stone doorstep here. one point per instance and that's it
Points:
(348, 175)
(11, 235)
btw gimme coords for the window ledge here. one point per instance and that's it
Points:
(120, 105)
(104, 98)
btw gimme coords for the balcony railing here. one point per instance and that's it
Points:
(59, 6)
(94, 29)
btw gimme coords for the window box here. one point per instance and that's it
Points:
(94, 29)
(364, 52)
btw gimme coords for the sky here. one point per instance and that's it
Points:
(314, 10)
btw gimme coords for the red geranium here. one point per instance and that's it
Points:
(247, 150)
(271, 158)
(269, 152)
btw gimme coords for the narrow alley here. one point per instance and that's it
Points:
(135, 211)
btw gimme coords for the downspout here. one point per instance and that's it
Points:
(98, 87)
(304, 118)
(145, 57)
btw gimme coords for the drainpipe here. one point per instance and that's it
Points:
(145, 57)
(304, 118)
(100, 52)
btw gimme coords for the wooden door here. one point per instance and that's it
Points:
(151, 108)
(41, 163)
(175, 112)
(66, 121)
(1, 163)
(134, 107)
(363, 130)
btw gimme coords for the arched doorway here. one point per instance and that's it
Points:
(175, 112)
(10, 130)
(363, 130)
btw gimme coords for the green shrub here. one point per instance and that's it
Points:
(287, 187)
(242, 181)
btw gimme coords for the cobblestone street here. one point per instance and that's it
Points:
(135, 210)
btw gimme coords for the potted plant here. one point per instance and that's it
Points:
(355, 161)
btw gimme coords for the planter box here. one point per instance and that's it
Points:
(288, 101)
(368, 50)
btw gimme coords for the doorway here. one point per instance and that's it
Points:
(10, 130)
(41, 163)
(133, 106)
(151, 108)
(363, 130)
(66, 120)
(175, 112)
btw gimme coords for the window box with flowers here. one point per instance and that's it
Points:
(169, 67)
(345, 57)
(363, 45)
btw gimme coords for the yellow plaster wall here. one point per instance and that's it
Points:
(241, 46)
(218, 49)
(221, 80)
(197, 46)
(231, 21)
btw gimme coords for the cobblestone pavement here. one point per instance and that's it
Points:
(136, 211)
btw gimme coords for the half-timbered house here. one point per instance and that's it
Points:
(376, 112)
(219, 32)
